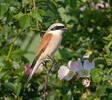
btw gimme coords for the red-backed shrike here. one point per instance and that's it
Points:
(48, 45)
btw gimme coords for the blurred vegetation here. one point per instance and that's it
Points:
(89, 29)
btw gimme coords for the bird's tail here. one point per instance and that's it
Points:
(33, 71)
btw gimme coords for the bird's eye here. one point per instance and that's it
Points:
(57, 27)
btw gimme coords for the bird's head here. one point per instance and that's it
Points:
(56, 28)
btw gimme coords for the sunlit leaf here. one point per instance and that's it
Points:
(18, 16)
(96, 74)
(3, 9)
(35, 14)
(24, 21)
(52, 95)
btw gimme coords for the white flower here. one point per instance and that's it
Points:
(65, 72)
(83, 71)
(82, 8)
(86, 82)
(87, 54)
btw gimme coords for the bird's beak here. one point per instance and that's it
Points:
(64, 28)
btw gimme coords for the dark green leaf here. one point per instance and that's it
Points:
(101, 91)
(52, 95)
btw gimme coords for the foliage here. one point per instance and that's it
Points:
(89, 29)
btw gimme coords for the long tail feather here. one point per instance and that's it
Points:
(33, 71)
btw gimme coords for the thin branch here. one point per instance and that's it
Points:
(45, 85)
(40, 28)
(10, 49)
(46, 77)
(34, 6)
(39, 25)
(47, 70)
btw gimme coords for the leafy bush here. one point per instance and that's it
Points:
(89, 34)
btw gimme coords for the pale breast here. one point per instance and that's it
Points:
(53, 44)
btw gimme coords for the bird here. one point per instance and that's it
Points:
(49, 43)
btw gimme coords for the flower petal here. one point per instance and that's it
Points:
(69, 64)
(69, 75)
(62, 72)
(28, 69)
(86, 82)
(67, 78)
(99, 5)
(75, 66)
(88, 66)
(84, 76)
(27, 66)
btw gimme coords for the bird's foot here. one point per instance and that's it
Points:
(52, 60)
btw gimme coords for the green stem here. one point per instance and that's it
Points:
(10, 49)
(98, 85)
(97, 58)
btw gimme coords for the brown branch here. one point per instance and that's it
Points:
(46, 77)
(34, 6)
(40, 27)
(45, 85)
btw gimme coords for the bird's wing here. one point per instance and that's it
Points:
(43, 44)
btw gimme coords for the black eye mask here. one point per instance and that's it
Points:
(58, 27)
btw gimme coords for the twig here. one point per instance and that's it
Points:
(46, 77)
(40, 27)
(10, 49)
(34, 7)
(45, 85)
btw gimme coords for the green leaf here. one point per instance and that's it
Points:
(110, 96)
(18, 16)
(15, 88)
(42, 12)
(96, 74)
(73, 4)
(3, 9)
(101, 91)
(2, 74)
(65, 17)
(37, 98)
(36, 16)
(52, 95)
(105, 78)
(110, 2)
(107, 50)
(67, 96)
(65, 53)
(20, 70)
(96, 99)
(24, 21)
(10, 86)
(50, 13)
